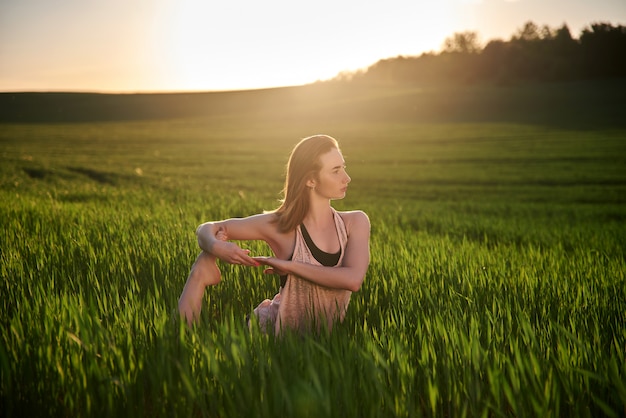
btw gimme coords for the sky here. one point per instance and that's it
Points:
(188, 45)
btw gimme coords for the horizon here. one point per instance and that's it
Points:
(190, 46)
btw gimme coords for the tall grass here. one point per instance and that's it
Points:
(496, 286)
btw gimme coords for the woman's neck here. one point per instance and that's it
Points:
(320, 213)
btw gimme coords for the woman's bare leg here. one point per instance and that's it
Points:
(204, 272)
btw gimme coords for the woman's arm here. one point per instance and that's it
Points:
(212, 238)
(254, 227)
(350, 275)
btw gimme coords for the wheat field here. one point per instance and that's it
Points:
(496, 285)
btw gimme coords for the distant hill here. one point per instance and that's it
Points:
(576, 104)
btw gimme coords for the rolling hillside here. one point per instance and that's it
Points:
(571, 105)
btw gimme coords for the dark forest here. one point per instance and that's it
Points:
(533, 53)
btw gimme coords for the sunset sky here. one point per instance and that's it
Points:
(172, 45)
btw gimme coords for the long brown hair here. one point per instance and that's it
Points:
(304, 164)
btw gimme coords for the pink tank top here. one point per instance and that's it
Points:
(305, 305)
(302, 305)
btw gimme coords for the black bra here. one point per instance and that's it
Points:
(324, 258)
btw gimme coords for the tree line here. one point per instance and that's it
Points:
(533, 53)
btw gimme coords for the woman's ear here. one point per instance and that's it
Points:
(310, 184)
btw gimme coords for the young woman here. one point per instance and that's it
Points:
(322, 255)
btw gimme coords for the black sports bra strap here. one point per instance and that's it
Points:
(324, 258)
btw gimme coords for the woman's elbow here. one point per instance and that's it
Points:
(355, 286)
(358, 278)
(203, 235)
(201, 228)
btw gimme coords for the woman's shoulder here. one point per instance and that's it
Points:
(355, 219)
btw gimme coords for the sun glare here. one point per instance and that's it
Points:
(221, 48)
(224, 46)
(168, 45)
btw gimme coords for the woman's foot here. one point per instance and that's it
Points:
(205, 271)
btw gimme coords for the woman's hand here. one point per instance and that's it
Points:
(231, 252)
(276, 265)
(221, 248)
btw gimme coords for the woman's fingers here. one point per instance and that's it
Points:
(221, 235)
(272, 265)
(243, 258)
(233, 254)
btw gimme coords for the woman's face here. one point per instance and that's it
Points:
(332, 181)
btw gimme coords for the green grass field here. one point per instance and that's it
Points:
(496, 286)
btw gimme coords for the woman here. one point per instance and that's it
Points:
(321, 255)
